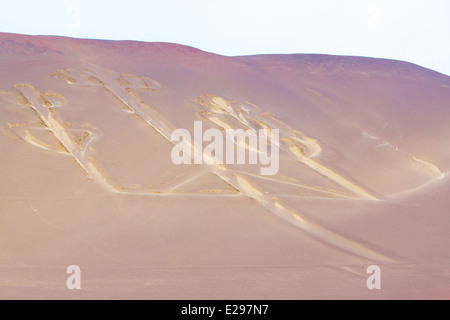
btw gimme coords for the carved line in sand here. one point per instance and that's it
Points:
(301, 146)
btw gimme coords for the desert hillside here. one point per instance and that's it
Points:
(87, 177)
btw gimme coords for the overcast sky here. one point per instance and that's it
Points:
(417, 31)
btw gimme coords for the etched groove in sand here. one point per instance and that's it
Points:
(327, 236)
(318, 191)
(21, 99)
(40, 140)
(64, 74)
(433, 169)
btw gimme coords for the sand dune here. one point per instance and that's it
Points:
(87, 176)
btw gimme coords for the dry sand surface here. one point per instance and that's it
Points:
(87, 177)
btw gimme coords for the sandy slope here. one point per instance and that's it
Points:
(87, 177)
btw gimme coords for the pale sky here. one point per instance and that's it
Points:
(417, 31)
